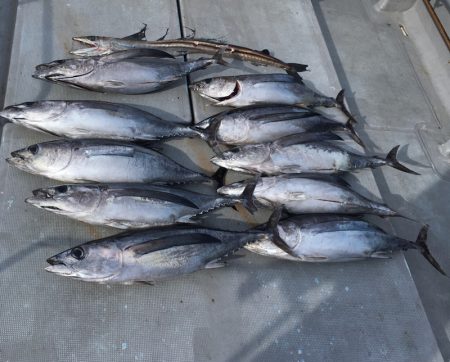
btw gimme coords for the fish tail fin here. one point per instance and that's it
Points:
(341, 104)
(246, 197)
(350, 126)
(219, 176)
(391, 160)
(423, 248)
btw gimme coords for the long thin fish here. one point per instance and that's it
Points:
(103, 45)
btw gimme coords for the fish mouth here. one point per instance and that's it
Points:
(41, 203)
(91, 47)
(58, 267)
(17, 159)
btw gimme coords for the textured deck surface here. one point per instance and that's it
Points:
(257, 309)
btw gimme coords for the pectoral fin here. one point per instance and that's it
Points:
(171, 241)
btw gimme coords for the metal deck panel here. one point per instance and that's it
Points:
(258, 308)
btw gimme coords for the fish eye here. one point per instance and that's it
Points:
(77, 253)
(61, 189)
(33, 149)
(234, 150)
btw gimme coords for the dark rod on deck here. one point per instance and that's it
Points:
(437, 22)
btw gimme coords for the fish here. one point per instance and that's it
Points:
(265, 123)
(127, 72)
(108, 161)
(103, 45)
(260, 89)
(302, 153)
(132, 206)
(94, 119)
(334, 238)
(309, 194)
(149, 255)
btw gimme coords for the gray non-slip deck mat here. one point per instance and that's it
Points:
(256, 309)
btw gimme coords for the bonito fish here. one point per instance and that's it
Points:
(260, 89)
(100, 161)
(103, 45)
(127, 72)
(94, 119)
(310, 194)
(149, 255)
(302, 153)
(259, 124)
(131, 206)
(333, 238)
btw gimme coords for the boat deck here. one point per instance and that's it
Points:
(257, 308)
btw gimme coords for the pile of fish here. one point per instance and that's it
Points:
(115, 174)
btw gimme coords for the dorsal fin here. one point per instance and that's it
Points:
(171, 241)
(140, 35)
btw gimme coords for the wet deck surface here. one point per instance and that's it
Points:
(256, 309)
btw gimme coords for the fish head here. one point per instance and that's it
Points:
(67, 199)
(217, 90)
(34, 113)
(96, 261)
(60, 70)
(242, 157)
(42, 157)
(232, 190)
(93, 46)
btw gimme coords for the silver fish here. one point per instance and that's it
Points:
(100, 161)
(101, 45)
(257, 89)
(259, 124)
(149, 255)
(332, 238)
(309, 194)
(131, 206)
(93, 119)
(302, 153)
(128, 72)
